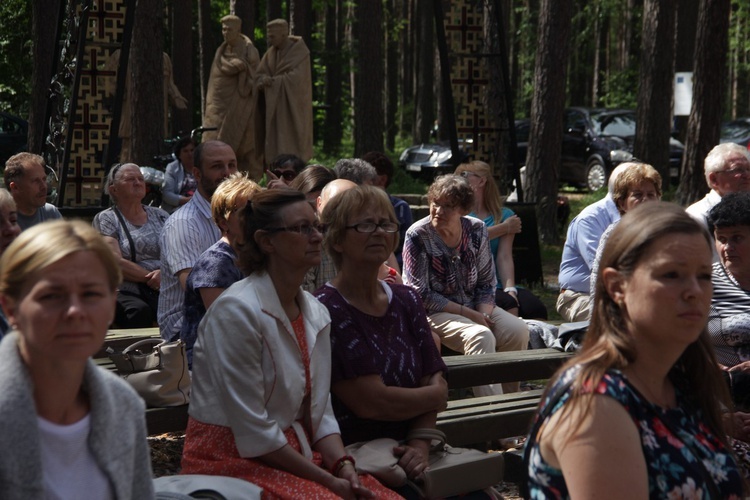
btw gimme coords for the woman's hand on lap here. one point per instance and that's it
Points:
(413, 458)
(347, 485)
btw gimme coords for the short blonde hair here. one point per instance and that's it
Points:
(340, 209)
(235, 188)
(631, 176)
(44, 244)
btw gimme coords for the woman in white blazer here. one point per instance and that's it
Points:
(260, 405)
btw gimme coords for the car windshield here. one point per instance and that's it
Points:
(620, 125)
(735, 130)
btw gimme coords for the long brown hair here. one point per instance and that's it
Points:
(608, 343)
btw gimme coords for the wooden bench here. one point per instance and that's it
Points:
(465, 421)
(480, 419)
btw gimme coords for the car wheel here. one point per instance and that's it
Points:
(596, 175)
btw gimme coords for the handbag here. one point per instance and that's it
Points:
(453, 471)
(156, 369)
(376, 458)
(147, 294)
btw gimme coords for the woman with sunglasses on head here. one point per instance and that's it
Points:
(179, 183)
(502, 226)
(447, 260)
(387, 374)
(260, 405)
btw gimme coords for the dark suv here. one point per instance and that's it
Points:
(594, 142)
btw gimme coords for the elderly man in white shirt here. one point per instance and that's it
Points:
(727, 169)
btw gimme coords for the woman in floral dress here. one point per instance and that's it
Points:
(637, 413)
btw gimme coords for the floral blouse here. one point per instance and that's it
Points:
(673, 470)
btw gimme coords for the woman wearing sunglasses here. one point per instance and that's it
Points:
(260, 405)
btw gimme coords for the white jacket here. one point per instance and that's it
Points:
(247, 367)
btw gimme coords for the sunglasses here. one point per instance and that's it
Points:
(288, 175)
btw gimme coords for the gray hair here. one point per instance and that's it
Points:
(356, 170)
(716, 158)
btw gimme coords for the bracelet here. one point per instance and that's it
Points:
(341, 463)
(509, 289)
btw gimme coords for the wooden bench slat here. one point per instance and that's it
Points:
(498, 367)
(163, 420)
(487, 427)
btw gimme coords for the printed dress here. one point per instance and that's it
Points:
(673, 470)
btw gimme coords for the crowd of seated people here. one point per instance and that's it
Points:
(285, 376)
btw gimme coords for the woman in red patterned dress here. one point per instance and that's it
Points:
(260, 408)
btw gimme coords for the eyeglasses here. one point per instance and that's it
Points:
(736, 172)
(466, 174)
(304, 229)
(370, 227)
(288, 175)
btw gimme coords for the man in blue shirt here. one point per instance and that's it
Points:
(584, 233)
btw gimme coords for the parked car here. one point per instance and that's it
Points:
(13, 136)
(595, 141)
(737, 131)
(427, 161)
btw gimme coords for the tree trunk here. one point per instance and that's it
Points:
(332, 130)
(44, 21)
(207, 47)
(369, 76)
(654, 111)
(245, 10)
(547, 106)
(425, 72)
(407, 68)
(146, 89)
(709, 78)
(391, 70)
(302, 20)
(273, 10)
(182, 62)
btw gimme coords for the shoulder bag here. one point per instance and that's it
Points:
(148, 294)
(156, 369)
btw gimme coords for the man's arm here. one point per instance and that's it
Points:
(182, 277)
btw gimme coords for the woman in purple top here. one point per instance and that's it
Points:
(386, 372)
(216, 268)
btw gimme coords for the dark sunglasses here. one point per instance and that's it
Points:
(288, 175)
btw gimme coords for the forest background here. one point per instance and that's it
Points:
(376, 71)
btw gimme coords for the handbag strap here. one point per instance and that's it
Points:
(127, 233)
(430, 435)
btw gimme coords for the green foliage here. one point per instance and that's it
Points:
(621, 89)
(15, 56)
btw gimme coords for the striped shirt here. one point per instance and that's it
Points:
(188, 232)
(729, 318)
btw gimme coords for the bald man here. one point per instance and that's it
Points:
(325, 271)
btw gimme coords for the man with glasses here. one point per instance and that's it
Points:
(189, 231)
(727, 169)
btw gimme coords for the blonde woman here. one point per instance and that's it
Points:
(502, 226)
(61, 414)
(216, 269)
